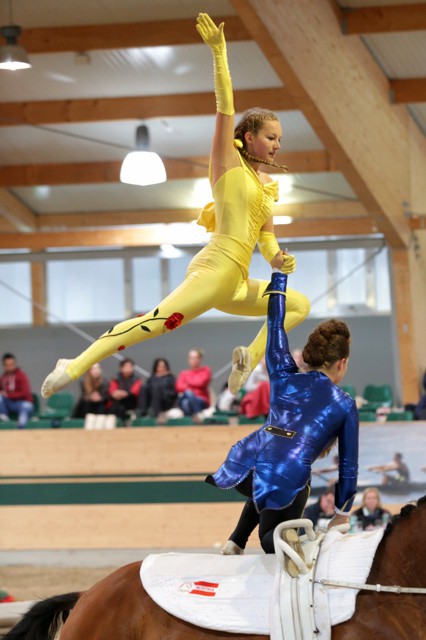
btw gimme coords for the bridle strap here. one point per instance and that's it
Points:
(370, 587)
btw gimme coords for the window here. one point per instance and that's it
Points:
(14, 309)
(86, 290)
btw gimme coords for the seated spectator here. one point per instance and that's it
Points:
(15, 392)
(321, 511)
(158, 394)
(255, 402)
(94, 393)
(192, 385)
(227, 401)
(124, 390)
(371, 514)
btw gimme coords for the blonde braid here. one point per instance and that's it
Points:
(248, 156)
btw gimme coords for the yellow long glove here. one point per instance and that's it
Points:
(269, 248)
(214, 37)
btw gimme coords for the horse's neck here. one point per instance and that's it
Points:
(401, 556)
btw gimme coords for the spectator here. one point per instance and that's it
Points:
(258, 375)
(321, 511)
(158, 394)
(124, 390)
(192, 385)
(15, 392)
(371, 514)
(94, 393)
(255, 402)
(227, 401)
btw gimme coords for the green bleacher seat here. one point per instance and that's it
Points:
(180, 422)
(367, 416)
(145, 421)
(350, 390)
(8, 424)
(245, 420)
(402, 416)
(72, 423)
(59, 405)
(377, 396)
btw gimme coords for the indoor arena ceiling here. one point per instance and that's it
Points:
(100, 68)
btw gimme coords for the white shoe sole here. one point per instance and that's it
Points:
(57, 379)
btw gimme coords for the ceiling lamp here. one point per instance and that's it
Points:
(12, 55)
(142, 167)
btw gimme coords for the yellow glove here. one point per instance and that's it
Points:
(214, 37)
(269, 248)
(289, 264)
(268, 245)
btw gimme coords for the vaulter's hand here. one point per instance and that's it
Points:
(289, 263)
(210, 33)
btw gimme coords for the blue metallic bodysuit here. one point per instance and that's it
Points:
(307, 412)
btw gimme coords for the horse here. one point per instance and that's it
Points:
(118, 608)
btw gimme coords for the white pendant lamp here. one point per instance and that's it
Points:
(12, 56)
(142, 167)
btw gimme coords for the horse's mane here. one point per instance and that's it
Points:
(405, 513)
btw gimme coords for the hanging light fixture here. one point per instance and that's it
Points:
(142, 167)
(12, 55)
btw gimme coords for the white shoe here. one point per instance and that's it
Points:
(241, 369)
(232, 549)
(57, 379)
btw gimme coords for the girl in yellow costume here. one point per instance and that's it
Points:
(242, 215)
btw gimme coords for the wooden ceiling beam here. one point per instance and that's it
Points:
(154, 236)
(335, 81)
(388, 19)
(123, 36)
(177, 168)
(297, 211)
(15, 212)
(140, 107)
(408, 90)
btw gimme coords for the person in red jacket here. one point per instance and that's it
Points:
(15, 392)
(124, 390)
(192, 385)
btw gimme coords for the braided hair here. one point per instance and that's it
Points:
(252, 120)
(327, 343)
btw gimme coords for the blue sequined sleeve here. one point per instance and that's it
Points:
(278, 357)
(345, 489)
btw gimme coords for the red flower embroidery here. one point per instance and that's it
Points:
(121, 347)
(174, 321)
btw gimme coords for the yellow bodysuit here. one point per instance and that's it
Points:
(217, 277)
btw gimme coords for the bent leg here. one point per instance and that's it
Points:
(197, 294)
(249, 301)
(270, 518)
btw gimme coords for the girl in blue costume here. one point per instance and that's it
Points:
(308, 412)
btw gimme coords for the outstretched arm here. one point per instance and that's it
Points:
(278, 356)
(223, 156)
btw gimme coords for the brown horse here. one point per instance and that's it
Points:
(118, 608)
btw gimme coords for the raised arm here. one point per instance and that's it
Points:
(278, 356)
(223, 156)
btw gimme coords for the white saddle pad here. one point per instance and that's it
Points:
(223, 593)
(233, 593)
